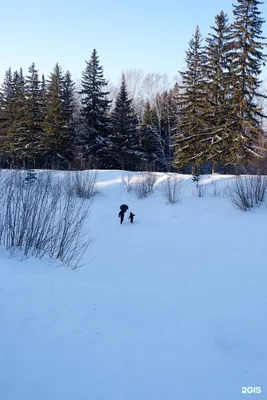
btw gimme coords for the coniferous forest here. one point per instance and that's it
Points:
(210, 120)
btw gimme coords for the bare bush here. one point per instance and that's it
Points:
(201, 189)
(216, 192)
(145, 187)
(226, 189)
(41, 220)
(248, 192)
(172, 190)
(81, 184)
(141, 190)
(128, 183)
(150, 178)
(2, 186)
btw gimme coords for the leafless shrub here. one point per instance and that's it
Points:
(172, 190)
(145, 187)
(81, 184)
(248, 192)
(42, 221)
(141, 190)
(196, 178)
(128, 183)
(216, 192)
(226, 190)
(260, 189)
(2, 186)
(201, 190)
(150, 179)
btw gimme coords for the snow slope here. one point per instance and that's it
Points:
(171, 307)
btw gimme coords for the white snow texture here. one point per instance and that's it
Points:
(171, 307)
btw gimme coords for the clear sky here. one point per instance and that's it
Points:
(151, 35)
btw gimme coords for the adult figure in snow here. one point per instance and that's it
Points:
(123, 210)
(124, 207)
(121, 215)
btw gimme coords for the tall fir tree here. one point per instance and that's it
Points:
(152, 142)
(43, 88)
(1, 106)
(68, 97)
(6, 91)
(95, 107)
(218, 82)
(124, 150)
(56, 143)
(169, 123)
(69, 104)
(6, 115)
(187, 142)
(247, 58)
(15, 112)
(34, 118)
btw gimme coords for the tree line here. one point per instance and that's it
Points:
(211, 119)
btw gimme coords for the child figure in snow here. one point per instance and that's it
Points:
(131, 217)
(121, 215)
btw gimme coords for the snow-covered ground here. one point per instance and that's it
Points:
(172, 307)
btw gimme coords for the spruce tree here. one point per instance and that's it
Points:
(94, 113)
(34, 118)
(68, 97)
(165, 111)
(6, 90)
(1, 106)
(152, 143)
(56, 143)
(169, 123)
(247, 58)
(6, 101)
(6, 115)
(191, 100)
(218, 123)
(69, 104)
(125, 151)
(43, 88)
(15, 133)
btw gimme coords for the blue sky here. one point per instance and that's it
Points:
(151, 35)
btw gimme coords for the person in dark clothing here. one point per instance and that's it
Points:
(121, 215)
(131, 217)
(124, 207)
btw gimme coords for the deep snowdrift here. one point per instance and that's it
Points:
(171, 307)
